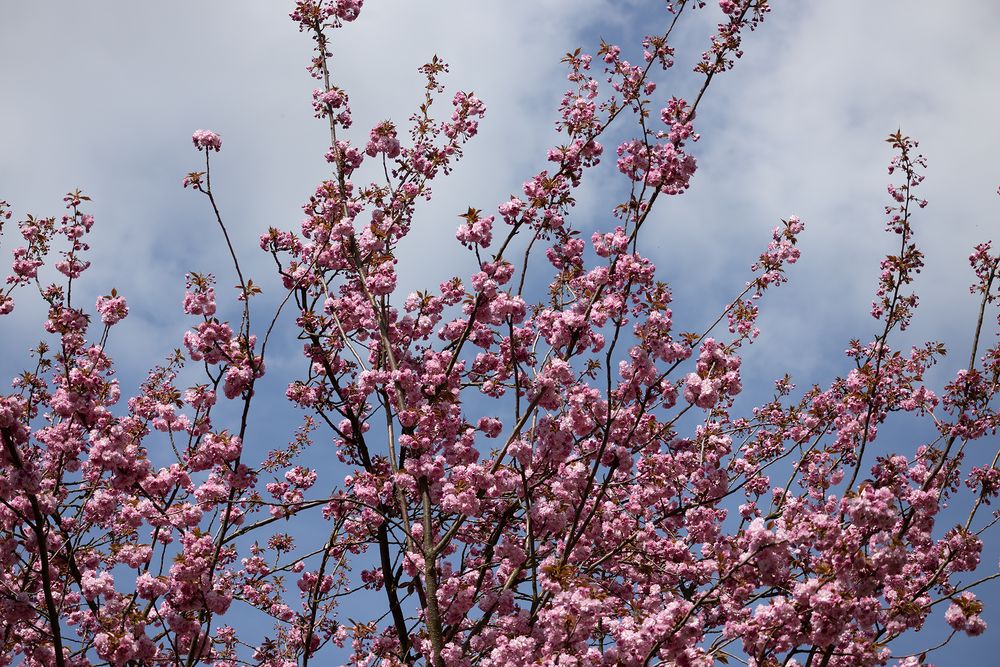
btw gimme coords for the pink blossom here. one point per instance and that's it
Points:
(206, 140)
(112, 309)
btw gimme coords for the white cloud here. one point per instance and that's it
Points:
(106, 97)
(799, 128)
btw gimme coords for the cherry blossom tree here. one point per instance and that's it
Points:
(534, 476)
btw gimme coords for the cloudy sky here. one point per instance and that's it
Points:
(104, 96)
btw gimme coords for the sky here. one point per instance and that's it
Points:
(104, 96)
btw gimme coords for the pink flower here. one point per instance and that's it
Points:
(383, 140)
(206, 140)
(95, 585)
(963, 614)
(149, 587)
(112, 308)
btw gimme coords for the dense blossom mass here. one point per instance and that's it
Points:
(534, 466)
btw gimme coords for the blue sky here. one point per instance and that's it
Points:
(104, 96)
